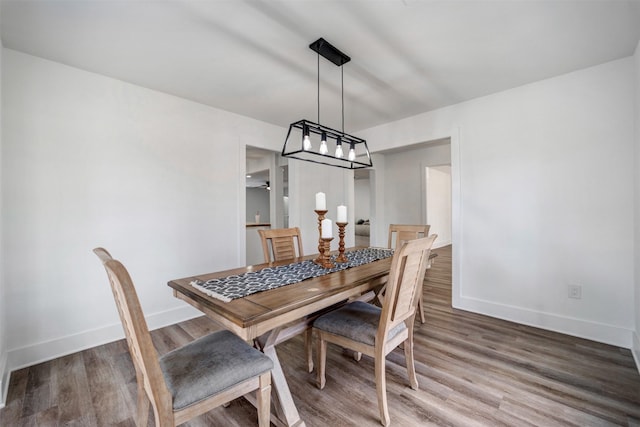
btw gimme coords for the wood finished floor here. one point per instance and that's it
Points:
(473, 371)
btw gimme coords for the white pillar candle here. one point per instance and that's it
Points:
(321, 202)
(327, 229)
(342, 214)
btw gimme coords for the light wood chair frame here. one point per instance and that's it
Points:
(280, 244)
(403, 233)
(152, 387)
(400, 303)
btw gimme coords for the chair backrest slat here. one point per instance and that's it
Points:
(405, 232)
(283, 243)
(405, 282)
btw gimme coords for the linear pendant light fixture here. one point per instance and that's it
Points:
(313, 142)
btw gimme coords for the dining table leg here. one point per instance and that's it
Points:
(286, 413)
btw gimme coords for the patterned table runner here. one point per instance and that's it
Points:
(238, 286)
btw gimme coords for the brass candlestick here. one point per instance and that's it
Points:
(321, 214)
(326, 253)
(341, 256)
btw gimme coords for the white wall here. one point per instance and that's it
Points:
(362, 199)
(533, 212)
(258, 201)
(91, 161)
(378, 232)
(636, 335)
(305, 180)
(255, 255)
(405, 182)
(4, 373)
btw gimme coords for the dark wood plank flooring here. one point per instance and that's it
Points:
(473, 370)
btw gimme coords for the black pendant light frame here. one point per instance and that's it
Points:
(295, 147)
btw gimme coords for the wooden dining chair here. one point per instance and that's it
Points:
(280, 244)
(192, 379)
(404, 232)
(375, 331)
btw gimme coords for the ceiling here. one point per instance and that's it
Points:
(252, 57)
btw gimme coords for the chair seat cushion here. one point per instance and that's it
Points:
(210, 365)
(357, 321)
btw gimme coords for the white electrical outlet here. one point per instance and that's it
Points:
(575, 291)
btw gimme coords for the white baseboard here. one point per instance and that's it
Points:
(636, 349)
(4, 379)
(44, 351)
(599, 332)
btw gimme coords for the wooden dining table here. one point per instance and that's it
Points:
(270, 317)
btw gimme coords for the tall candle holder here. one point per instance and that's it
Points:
(341, 256)
(326, 253)
(321, 214)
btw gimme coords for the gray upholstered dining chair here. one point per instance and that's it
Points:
(374, 331)
(192, 379)
(404, 232)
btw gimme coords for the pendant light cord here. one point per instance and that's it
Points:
(318, 55)
(342, 83)
(341, 89)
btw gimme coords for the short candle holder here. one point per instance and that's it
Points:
(341, 256)
(321, 214)
(326, 253)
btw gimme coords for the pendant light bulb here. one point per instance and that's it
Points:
(306, 142)
(352, 153)
(339, 153)
(323, 148)
(323, 144)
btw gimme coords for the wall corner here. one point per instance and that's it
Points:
(635, 350)
(4, 379)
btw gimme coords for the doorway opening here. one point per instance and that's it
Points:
(267, 197)
(438, 203)
(362, 206)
